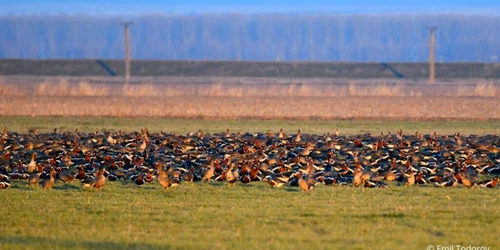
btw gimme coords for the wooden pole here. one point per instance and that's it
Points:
(127, 49)
(432, 67)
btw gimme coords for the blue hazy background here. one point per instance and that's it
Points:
(287, 30)
(245, 6)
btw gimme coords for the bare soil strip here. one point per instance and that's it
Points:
(264, 108)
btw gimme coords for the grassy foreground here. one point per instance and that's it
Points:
(47, 124)
(213, 216)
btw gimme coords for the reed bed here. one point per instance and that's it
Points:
(238, 87)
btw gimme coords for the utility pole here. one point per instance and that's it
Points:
(127, 49)
(432, 67)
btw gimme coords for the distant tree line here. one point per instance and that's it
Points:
(265, 37)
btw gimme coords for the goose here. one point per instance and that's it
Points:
(209, 173)
(188, 176)
(65, 175)
(303, 184)
(34, 177)
(489, 183)
(99, 180)
(449, 181)
(409, 178)
(48, 184)
(32, 164)
(357, 177)
(232, 175)
(164, 180)
(139, 179)
(4, 184)
(273, 181)
(466, 181)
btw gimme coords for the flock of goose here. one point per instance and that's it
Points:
(301, 160)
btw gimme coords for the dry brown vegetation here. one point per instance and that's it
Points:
(267, 98)
(242, 87)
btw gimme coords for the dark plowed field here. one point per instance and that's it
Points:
(247, 69)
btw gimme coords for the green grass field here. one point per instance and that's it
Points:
(47, 124)
(255, 216)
